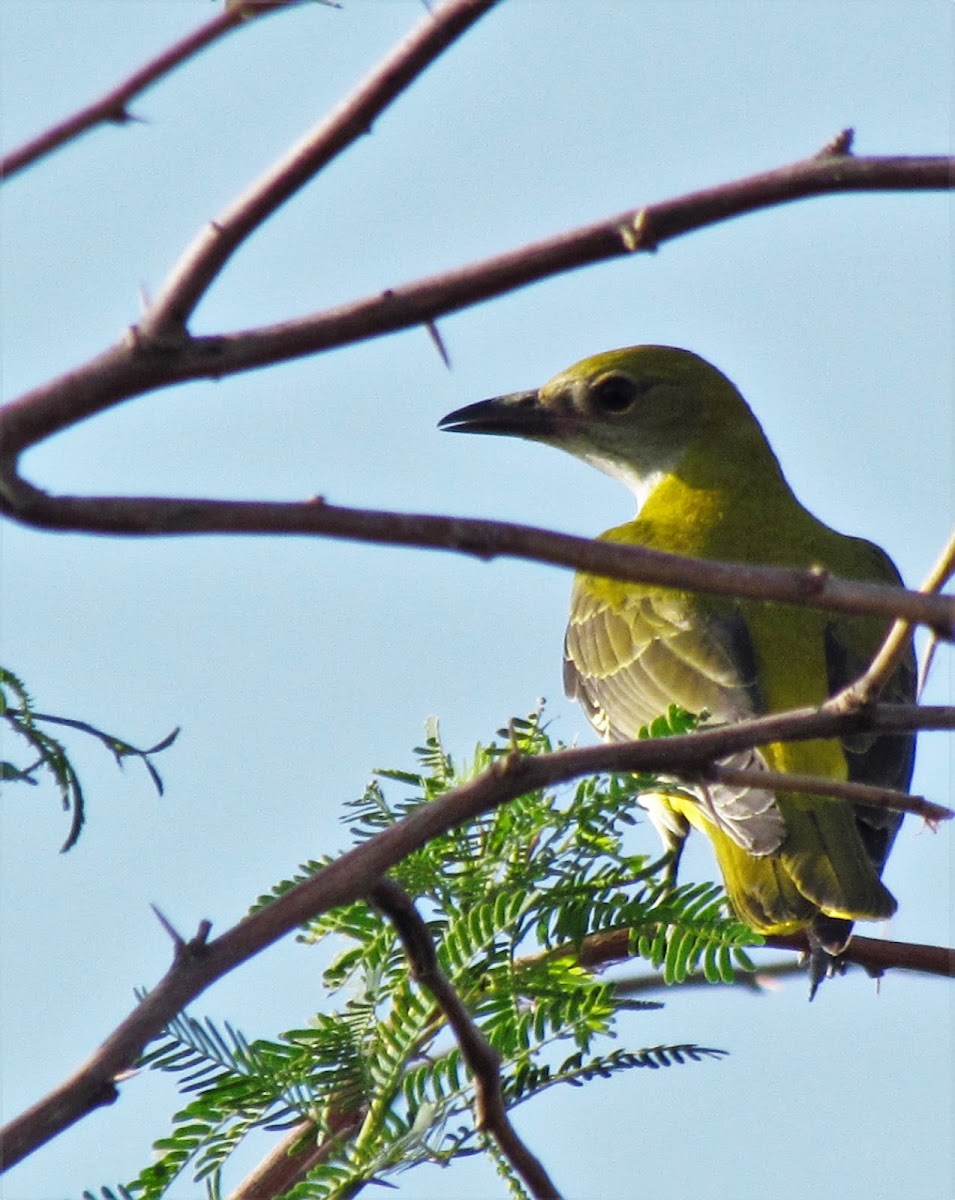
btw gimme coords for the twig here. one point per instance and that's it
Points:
(873, 682)
(881, 954)
(745, 981)
(831, 789)
(875, 954)
(165, 517)
(112, 107)
(355, 873)
(204, 259)
(293, 1157)
(480, 1056)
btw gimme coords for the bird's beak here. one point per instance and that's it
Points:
(520, 414)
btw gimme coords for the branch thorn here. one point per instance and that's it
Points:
(839, 146)
(177, 940)
(435, 335)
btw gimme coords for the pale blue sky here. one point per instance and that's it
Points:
(294, 667)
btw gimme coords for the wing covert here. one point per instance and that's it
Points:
(633, 661)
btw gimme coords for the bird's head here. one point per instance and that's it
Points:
(634, 413)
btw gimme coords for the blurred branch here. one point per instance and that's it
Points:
(293, 1157)
(166, 516)
(112, 108)
(759, 981)
(199, 962)
(481, 1058)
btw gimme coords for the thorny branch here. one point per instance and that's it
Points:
(113, 107)
(480, 1056)
(136, 365)
(160, 353)
(164, 517)
(199, 962)
(875, 954)
(832, 789)
(204, 259)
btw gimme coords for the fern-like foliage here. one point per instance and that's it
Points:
(377, 1085)
(50, 755)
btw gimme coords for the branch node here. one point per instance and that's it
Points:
(106, 1092)
(816, 579)
(636, 234)
(201, 938)
(512, 762)
(125, 116)
(172, 337)
(839, 146)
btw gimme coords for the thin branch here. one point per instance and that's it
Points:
(135, 365)
(482, 1059)
(871, 684)
(638, 229)
(112, 108)
(759, 981)
(192, 276)
(291, 1159)
(830, 789)
(198, 963)
(164, 517)
(874, 954)
(877, 955)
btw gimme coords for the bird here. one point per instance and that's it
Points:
(679, 435)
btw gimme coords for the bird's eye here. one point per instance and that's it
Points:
(614, 393)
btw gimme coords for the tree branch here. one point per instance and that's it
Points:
(136, 365)
(871, 684)
(294, 1156)
(760, 981)
(111, 108)
(481, 1058)
(164, 517)
(816, 785)
(874, 954)
(198, 962)
(191, 277)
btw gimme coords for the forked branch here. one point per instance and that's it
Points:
(199, 961)
(482, 1059)
(113, 107)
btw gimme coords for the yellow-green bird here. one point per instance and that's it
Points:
(681, 437)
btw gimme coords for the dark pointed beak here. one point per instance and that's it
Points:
(518, 415)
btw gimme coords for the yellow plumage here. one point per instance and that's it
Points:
(708, 485)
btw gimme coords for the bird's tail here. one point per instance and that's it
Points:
(821, 875)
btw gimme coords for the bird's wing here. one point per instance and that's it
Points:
(626, 660)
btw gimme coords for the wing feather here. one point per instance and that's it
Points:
(660, 649)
